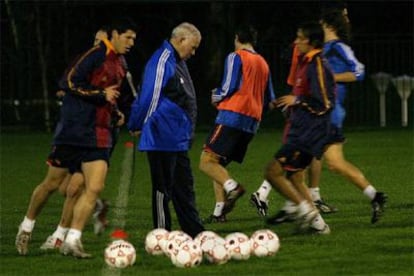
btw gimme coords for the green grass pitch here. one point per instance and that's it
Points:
(355, 246)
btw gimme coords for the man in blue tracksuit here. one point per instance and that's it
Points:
(164, 115)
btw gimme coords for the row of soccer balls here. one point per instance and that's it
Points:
(187, 252)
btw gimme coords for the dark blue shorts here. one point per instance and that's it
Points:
(229, 143)
(72, 157)
(292, 158)
(311, 136)
(335, 135)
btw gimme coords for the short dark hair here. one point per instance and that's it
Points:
(332, 5)
(121, 25)
(247, 34)
(313, 31)
(337, 21)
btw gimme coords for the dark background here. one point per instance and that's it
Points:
(40, 38)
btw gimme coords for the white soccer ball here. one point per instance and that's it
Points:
(203, 236)
(238, 245)
(120, 254)
(215, 250)
(175, 239)
(188, 254)
(156, 241)
(264, 243)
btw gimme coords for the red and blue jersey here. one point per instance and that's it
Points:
(245, 91)
(314, 85)
(86, 117)
(309, 119)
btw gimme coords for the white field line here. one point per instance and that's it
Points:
(121, 203)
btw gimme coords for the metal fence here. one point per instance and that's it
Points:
(391, 56)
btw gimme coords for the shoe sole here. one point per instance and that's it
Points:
(255, 203)
(327, 210)
(22, 244)
(279, 221)
(231, 203)
(47, 248)
(66, 251)
(325, 231)
(377, 214)
(378, 209)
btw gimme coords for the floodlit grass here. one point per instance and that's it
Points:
(355, 246)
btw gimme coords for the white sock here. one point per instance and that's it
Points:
(60, 232)
(230, 185)
(264, 190)
(73, 235)
(303, 208)
(370, 192)
(315, 193)
(318, 223)
(290, 207)
(218, 209)
(27, 225)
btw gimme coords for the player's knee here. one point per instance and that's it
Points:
(273, 170)
(75, 185)
(207, 158)
(73, 191)
(335, 166)
(95, 189)
(50, 184)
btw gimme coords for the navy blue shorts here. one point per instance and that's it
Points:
(311, 136)
(292, 158)
(229, 143)
(335, 135)
(72, 157)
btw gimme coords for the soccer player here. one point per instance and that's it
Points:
(164, 116)
(246, 90)
(73, 189)
(259, 198)
(308, 125)
(346, 69)
(86, 130)
(58, 177)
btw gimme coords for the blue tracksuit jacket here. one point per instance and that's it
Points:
(165, 110)
(341, 59)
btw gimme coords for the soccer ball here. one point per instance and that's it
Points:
(203, 236)
(175, 239)
(238, 245)
(188, 254)
(156, 241)
(264, 243)
(120, 254)
(215, 250)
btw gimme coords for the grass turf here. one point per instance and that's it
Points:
(355, 246)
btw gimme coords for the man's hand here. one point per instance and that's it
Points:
(60, 94)
(135, 133)
(111, 93)
(121, 118)
(215, 98)
(285, 101)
